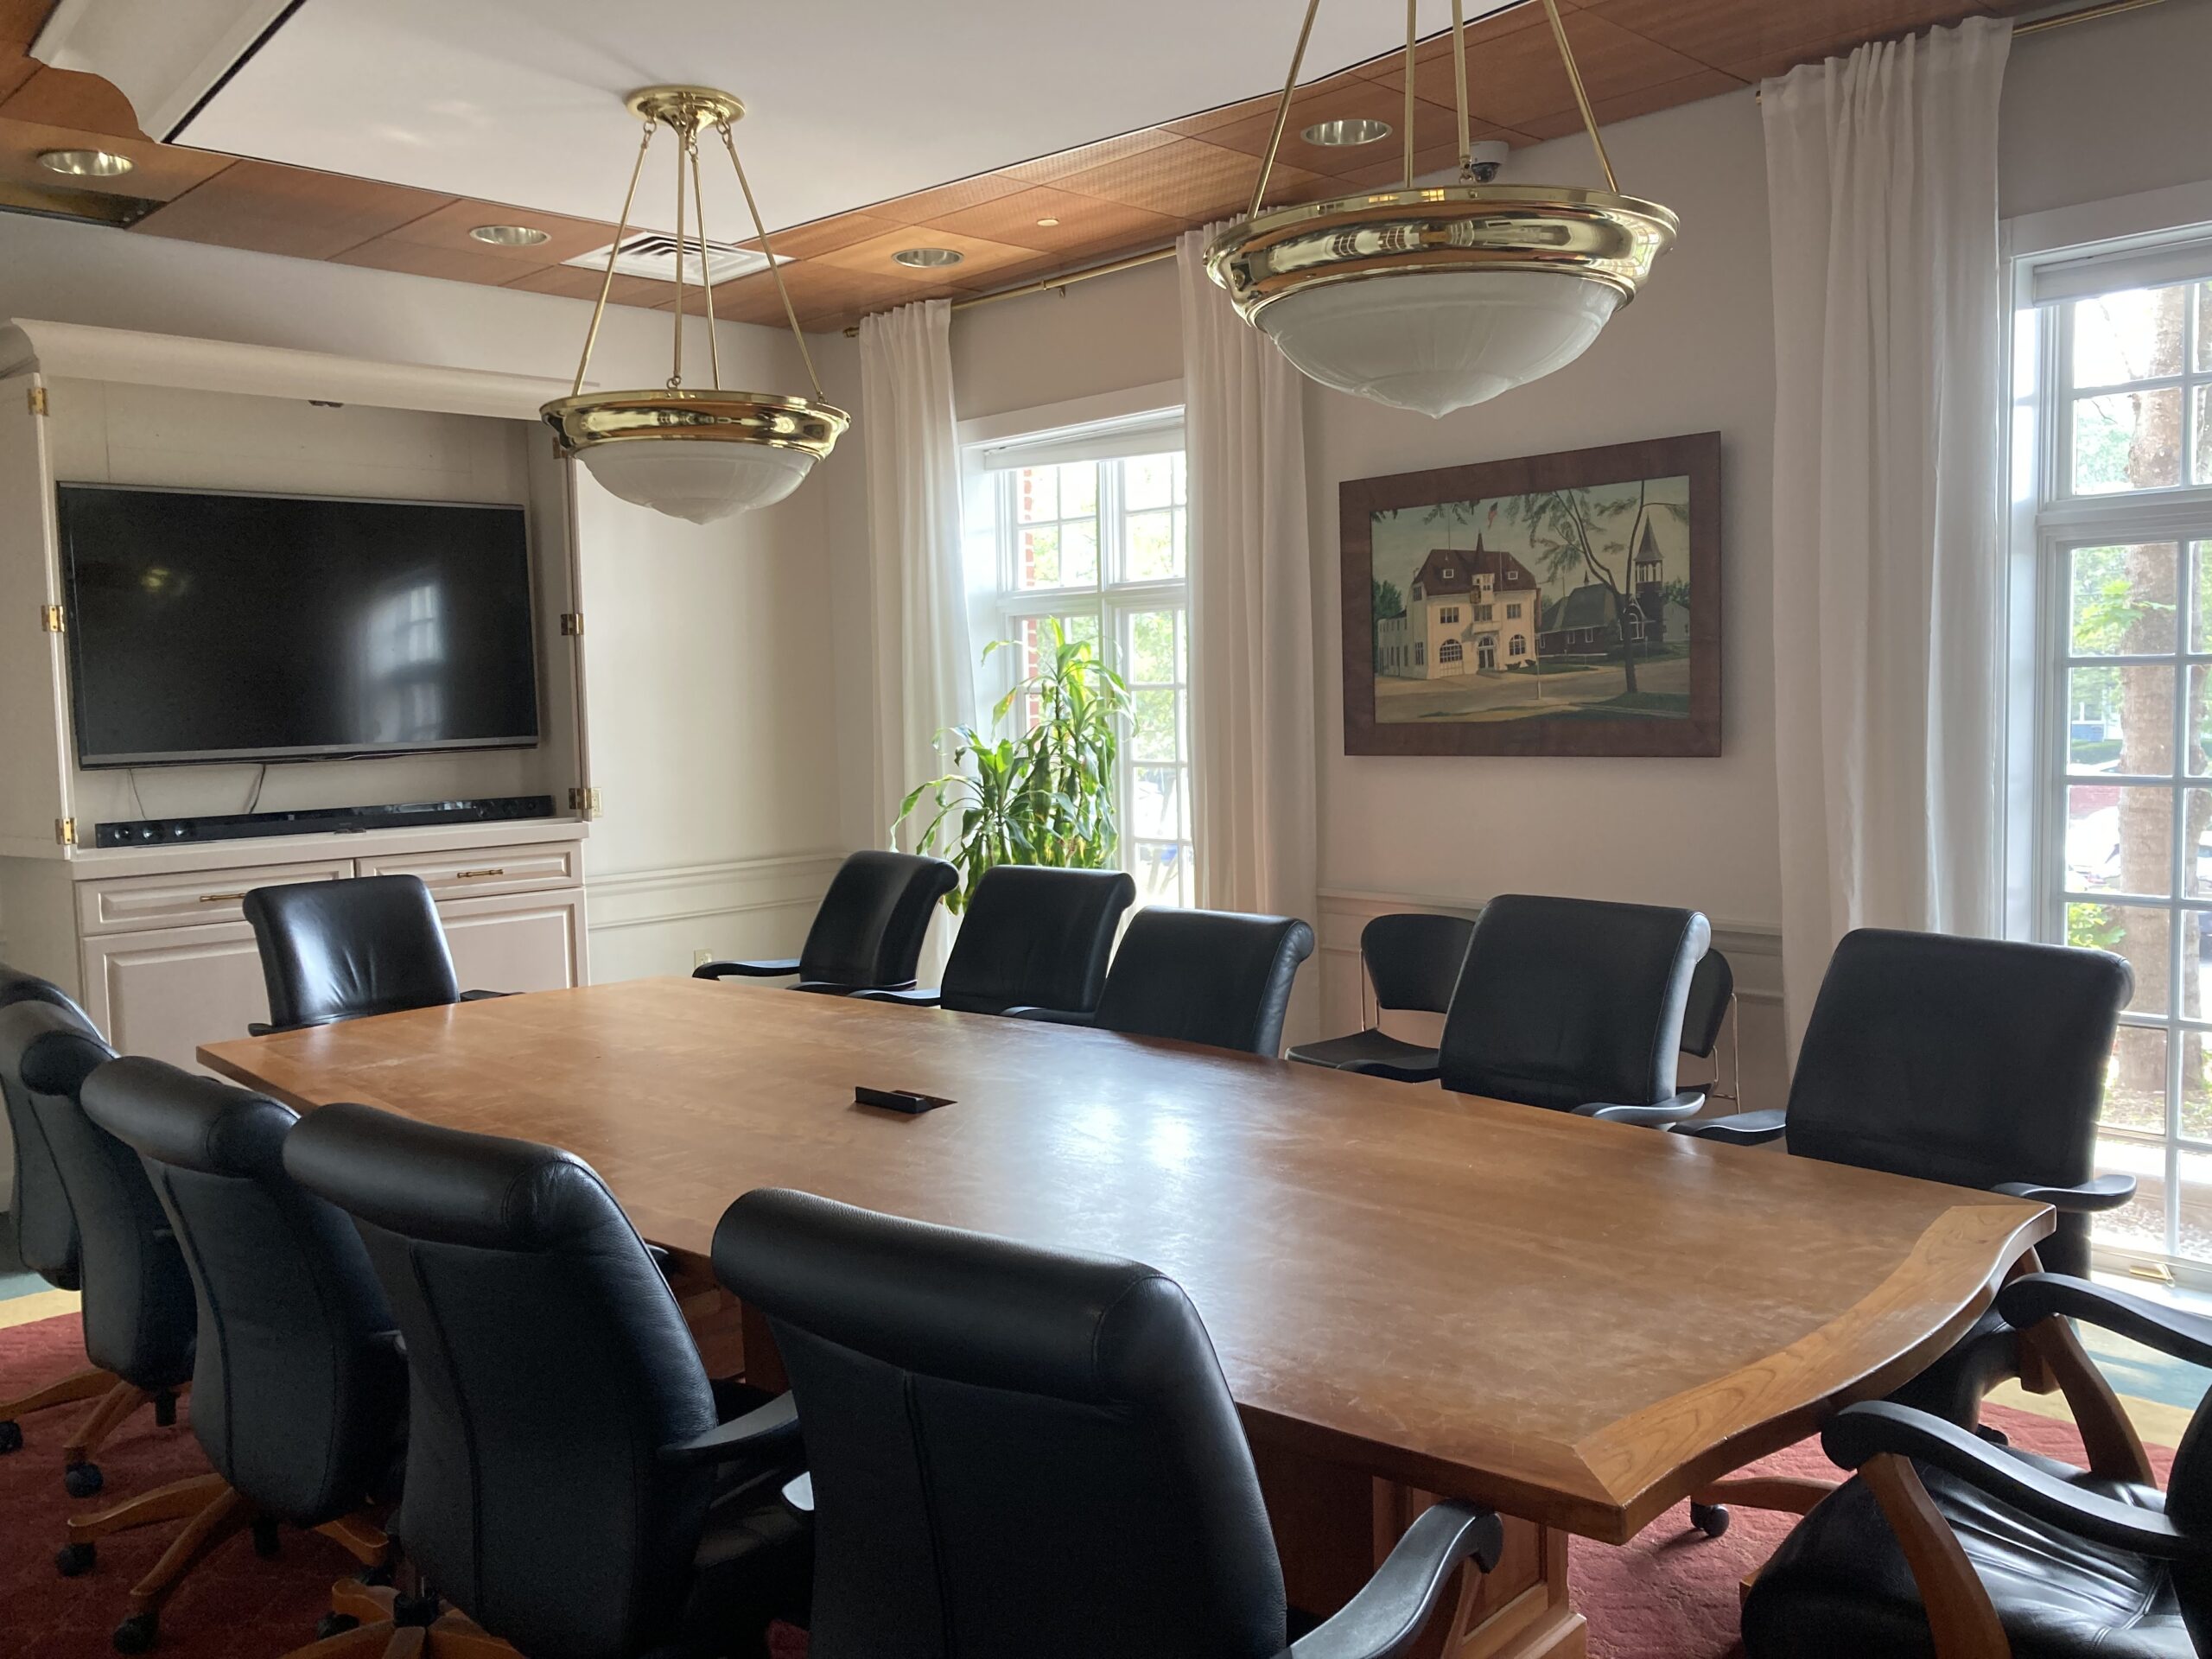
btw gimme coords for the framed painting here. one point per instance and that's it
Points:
(1564, 604)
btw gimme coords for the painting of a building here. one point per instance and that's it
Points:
(1590, 622)
(1465, 612)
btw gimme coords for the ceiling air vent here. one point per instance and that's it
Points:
(653, 253)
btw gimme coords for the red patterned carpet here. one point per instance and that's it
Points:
(1671, 1594)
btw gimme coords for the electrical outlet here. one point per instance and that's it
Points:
(700, 958)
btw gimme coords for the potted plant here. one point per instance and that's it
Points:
(1045, 793)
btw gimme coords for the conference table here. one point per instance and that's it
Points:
(1412, 1294)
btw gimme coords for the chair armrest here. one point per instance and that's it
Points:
(2035, 1297)
(1740, 1128)
(773, 1428)
(486, 997)
(779, 969)
(1673, 1109)
(1385, 1618)
(1859, 1433)
(262, 1028)
(830, 988)
(2106, 1193)
(925, 996)
(1395, 1072)
(1052, 1016)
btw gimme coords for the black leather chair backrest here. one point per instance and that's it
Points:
(337, 950)
(1036, 936)
(38, 1205)
(869, 929)
(1015, 1452)
(549, 1366)
(1564, 1001)
(1970, 1061)
(1413, 960)
(298, 1385)
(1711, 986)
(139, 1309)
(1208, 976)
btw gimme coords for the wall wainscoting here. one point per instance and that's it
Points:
(652, 921)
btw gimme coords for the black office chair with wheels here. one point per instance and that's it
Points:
(570, 1485)
(1574, 1005)
(1709, 1011)
(1210, 976)
(1976, 1062)
(333, 950)
(868, 931)
(1945, 1545)
(138, 1314)
(299, 1387)
(38, 1210)
(1029, 936)
(1016, 1451)
(1411, 962)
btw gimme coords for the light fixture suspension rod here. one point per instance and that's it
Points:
(706, 277)
(1413, 29)
(1282, 110)
(775, 271)
(675, 368)
(606, 283)
(1581, 96)
(1459, 84)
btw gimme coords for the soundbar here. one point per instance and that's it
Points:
(322, 821)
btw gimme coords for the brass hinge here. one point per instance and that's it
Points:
(38, 401)
(584, 800)
(52, 619)
(65, 831)
(572, 624)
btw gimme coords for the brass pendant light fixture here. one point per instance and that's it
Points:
(695, 454)
(1433, 299)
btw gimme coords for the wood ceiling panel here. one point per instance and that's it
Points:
(807, 241)
(20, 21)
(1055, 169)
(288, 210)
(448, 229)
(1084, 222)
(62, 98)
(1345, 98)
(819, 291)
(577, 282)
(1626, 107)
(162, 171)
(1518, 78)
(474, 264)
(928, 205)
(1185, 178)
(873, 258)
(1749, 38)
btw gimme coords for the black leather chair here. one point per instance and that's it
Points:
(2060, 1562)
(1015, 1452)
(1029, 936)
(570, 1484)
(45, 1227)
(138, 1309)
(1977, 1062)
(299, 1387)
(868, 931)
(1413, 961)
(1576, 1004)
(1706, 1014)
(1210, 976)
(333, 950)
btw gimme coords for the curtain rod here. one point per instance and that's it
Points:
(1046, 284)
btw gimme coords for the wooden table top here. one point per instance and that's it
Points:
(1571, 1321)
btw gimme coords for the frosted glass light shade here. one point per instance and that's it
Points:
(1436, 341)
(699, 481)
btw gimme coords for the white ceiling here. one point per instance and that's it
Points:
(848, 101)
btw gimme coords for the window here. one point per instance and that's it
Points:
(1447, 614)
(1091, 525)
(1520, 645)
(1449, 651)
(1513, 612)
(1483, 613)
(2113, 465)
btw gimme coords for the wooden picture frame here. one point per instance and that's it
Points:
(1613, 554)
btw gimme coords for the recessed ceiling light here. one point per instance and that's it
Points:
(1046, 224)
(928, 258)
(511, 236)
(86, 163)
(1354, 129)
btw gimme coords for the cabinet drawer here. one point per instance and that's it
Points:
(189, 898)
(472, 870)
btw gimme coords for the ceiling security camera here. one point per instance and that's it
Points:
(1484, 159)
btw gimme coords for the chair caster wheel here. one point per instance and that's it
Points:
(378, 1577)
(74, 1560)
(266, 1544)
(332, 1624)
(83, 1479)
(11, 1436)
(414, 1610)
(135, 1634)
(1711, 1519)
(165, 1409)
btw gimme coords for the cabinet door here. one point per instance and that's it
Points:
(517, 942)
(35, 734)
(164, 992)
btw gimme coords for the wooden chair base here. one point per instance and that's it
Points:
(376, 1631)
(80, 1385)
(110, 1412)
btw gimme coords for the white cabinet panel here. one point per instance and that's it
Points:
(472, 870)
(191, 898)
(165, 992)
(520, 942)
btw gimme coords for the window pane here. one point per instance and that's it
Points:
(1079, 554)
(1040, 557)
(1159, 802)
(1149, 480)
(2135, 1081)
(2197, 877)
(1154, 738)
(1037, 494)
(2200, 469)
(2127, 440)
(2120, 720)
(2194, 1202)
(2196, 1083)
(1154, 553)
(2135, 931)
(2200, 564)
(2135, 334)
(2204, 327)
(2200, 720)
(1162, 871)
(1152, 648)
(2119, 840)
(1080, 490)
(2124, 599)
(2141, 1223)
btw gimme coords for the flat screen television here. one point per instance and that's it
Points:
(207, 625)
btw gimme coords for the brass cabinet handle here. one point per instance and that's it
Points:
(220, 897)
(470, 876)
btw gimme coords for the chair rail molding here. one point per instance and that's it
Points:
(737, 887)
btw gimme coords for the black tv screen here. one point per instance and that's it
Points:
(215, 626)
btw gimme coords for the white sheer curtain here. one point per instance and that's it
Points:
(1252, 685)
(1888, 576)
